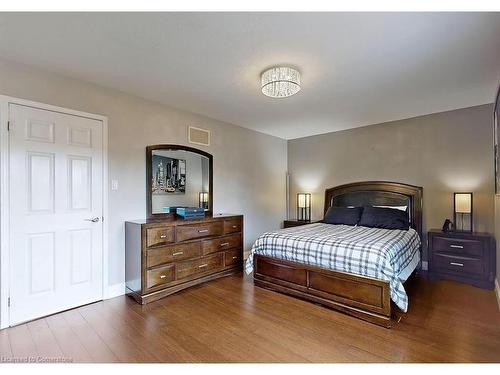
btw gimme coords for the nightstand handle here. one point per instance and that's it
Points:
(457, 246)
(457, 264)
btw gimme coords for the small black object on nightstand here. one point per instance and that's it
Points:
(469, 257)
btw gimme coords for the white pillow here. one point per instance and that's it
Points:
(401, 208)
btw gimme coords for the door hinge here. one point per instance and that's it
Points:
(8, 126)
(8, 302)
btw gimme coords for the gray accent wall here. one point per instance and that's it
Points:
(249, 167)
(444, 153)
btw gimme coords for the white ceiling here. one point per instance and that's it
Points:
(357, 68)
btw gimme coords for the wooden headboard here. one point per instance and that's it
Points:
(379, 193)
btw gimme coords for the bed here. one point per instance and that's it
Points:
(353, 269)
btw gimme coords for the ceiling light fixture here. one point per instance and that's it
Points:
(280, 82)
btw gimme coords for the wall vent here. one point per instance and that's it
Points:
(199, 136)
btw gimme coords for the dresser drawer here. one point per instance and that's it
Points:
(232, 258)
(458, 245)
(198, 266)
(232, 226)
(458, 264)
(159, 276)
(172, 253)
(192, 231)
(159, 236)
(217, 244)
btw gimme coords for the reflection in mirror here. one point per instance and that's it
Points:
(179, 179)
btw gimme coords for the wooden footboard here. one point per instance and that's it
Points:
(360, 296)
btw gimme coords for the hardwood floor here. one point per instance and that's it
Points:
(229, 320)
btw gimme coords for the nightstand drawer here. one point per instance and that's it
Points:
(447, 262)
(458, 245)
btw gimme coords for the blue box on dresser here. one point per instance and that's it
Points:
(191, 212)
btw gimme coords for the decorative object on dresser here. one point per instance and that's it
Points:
(190, 212)
(164, 257)
(303, 206)
(462, 256)
(462, 210)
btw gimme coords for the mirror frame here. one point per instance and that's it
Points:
(149, 177)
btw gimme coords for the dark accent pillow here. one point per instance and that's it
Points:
(386, 218)
(343, 215)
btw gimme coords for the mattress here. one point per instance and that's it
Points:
(385, 254)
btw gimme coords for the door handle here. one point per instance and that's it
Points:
(94, 219)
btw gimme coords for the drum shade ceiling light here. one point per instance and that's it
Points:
(280, 82)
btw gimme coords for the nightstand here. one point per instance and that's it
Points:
(295, 223)
(462, 256)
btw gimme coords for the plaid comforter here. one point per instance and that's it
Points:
(379, 253)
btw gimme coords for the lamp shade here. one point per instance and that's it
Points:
(463, 203)
(203, 197)
(304, 200)
(203, 200)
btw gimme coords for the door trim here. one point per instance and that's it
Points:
(4, 197)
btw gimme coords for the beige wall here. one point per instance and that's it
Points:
(497, 235)
(443, 153)
(249, 167)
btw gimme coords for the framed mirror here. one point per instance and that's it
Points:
(177, 176)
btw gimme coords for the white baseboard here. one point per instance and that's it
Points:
(497, 292)
(115, 290)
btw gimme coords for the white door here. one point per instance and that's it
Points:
(55, 212)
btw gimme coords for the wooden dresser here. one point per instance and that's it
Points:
(164, 257)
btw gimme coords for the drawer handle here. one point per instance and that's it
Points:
(235, 257)
(163, 236)
(162, 276)
(457, 264)
(224, 244)
(235, 226)
(202, 265)
(203, 231)
(457, 246)
(178, 253)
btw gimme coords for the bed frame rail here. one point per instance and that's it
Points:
(363, 297)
